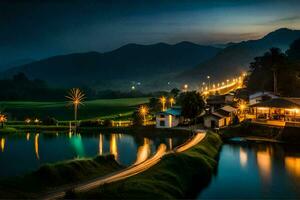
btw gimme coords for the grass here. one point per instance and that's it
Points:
(179, 175)
(52, 175)
(7, 130)
(101, 108)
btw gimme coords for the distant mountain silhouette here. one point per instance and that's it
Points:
(131, 62)
(16, 63)
(236, 57)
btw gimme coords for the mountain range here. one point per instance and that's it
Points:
(152, 66)
(132, 62)
(236, 57)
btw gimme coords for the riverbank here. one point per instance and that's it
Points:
(50, 176)
(142, 131)
(173, 177)
(262, 132)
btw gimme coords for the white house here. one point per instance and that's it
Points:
(219, 118)
(169, 118)
(259, 97)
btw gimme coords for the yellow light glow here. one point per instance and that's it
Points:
(27, 120)
(36, 146)
(172, 101)
(75, 97)
(170, 121)
(292, 165)
(113, 147)
(27, 136)
(163, 102)
(243, 157)
(2, 144)
(143, 152)
(100, 144)
(2, 118)
(264, 163)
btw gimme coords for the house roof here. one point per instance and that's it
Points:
(171, 111)
(260, 94)
(229, 108)
(289, 103)
(220, 113)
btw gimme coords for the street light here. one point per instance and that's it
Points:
(185, 87)
(163, 102)
(143, 110)
(76, 98)
(172, 101)
(208, 77)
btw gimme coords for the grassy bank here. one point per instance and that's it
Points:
(250, 129)
(7, 130)
(283, 134)
(179, 175)
(57, 174)
(101, 108)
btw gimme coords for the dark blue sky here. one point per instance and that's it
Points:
(38, 29)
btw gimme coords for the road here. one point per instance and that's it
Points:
(125, 173)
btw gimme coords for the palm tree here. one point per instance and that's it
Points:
(75, 97)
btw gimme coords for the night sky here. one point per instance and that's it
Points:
(38, 29)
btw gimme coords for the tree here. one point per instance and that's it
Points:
(174, 92)
(293, 52)
(192, 104)
(264, 71)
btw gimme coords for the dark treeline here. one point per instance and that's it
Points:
(277, 71)
(21, 88)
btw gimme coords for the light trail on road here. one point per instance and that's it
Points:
(125, 173)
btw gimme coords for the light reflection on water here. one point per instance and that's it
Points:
(256, 170)
(23, 153)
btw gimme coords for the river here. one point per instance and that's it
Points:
(23, 153)
(256, 170)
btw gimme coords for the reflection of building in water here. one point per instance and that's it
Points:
(264, 163)
(170, 143)
(243, 157)
(70, 134)
(143, 152)
(27, 136)
(292, 165)
(2, 144)
(100, 144)
(113, 147)
(36, 145)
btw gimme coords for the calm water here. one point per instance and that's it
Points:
(256, 170)
(26, 152)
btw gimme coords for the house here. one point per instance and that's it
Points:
(169, 118)
(219, 118)
(280, 108)
(260, 97)
(217, 101)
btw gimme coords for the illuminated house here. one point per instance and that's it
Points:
(169, 118)
(283, 109)
(219, 118)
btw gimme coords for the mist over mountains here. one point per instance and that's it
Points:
(157, 66)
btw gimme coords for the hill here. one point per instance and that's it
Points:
(132, 62)
(236, 57)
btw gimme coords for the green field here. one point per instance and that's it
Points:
(101, 108)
